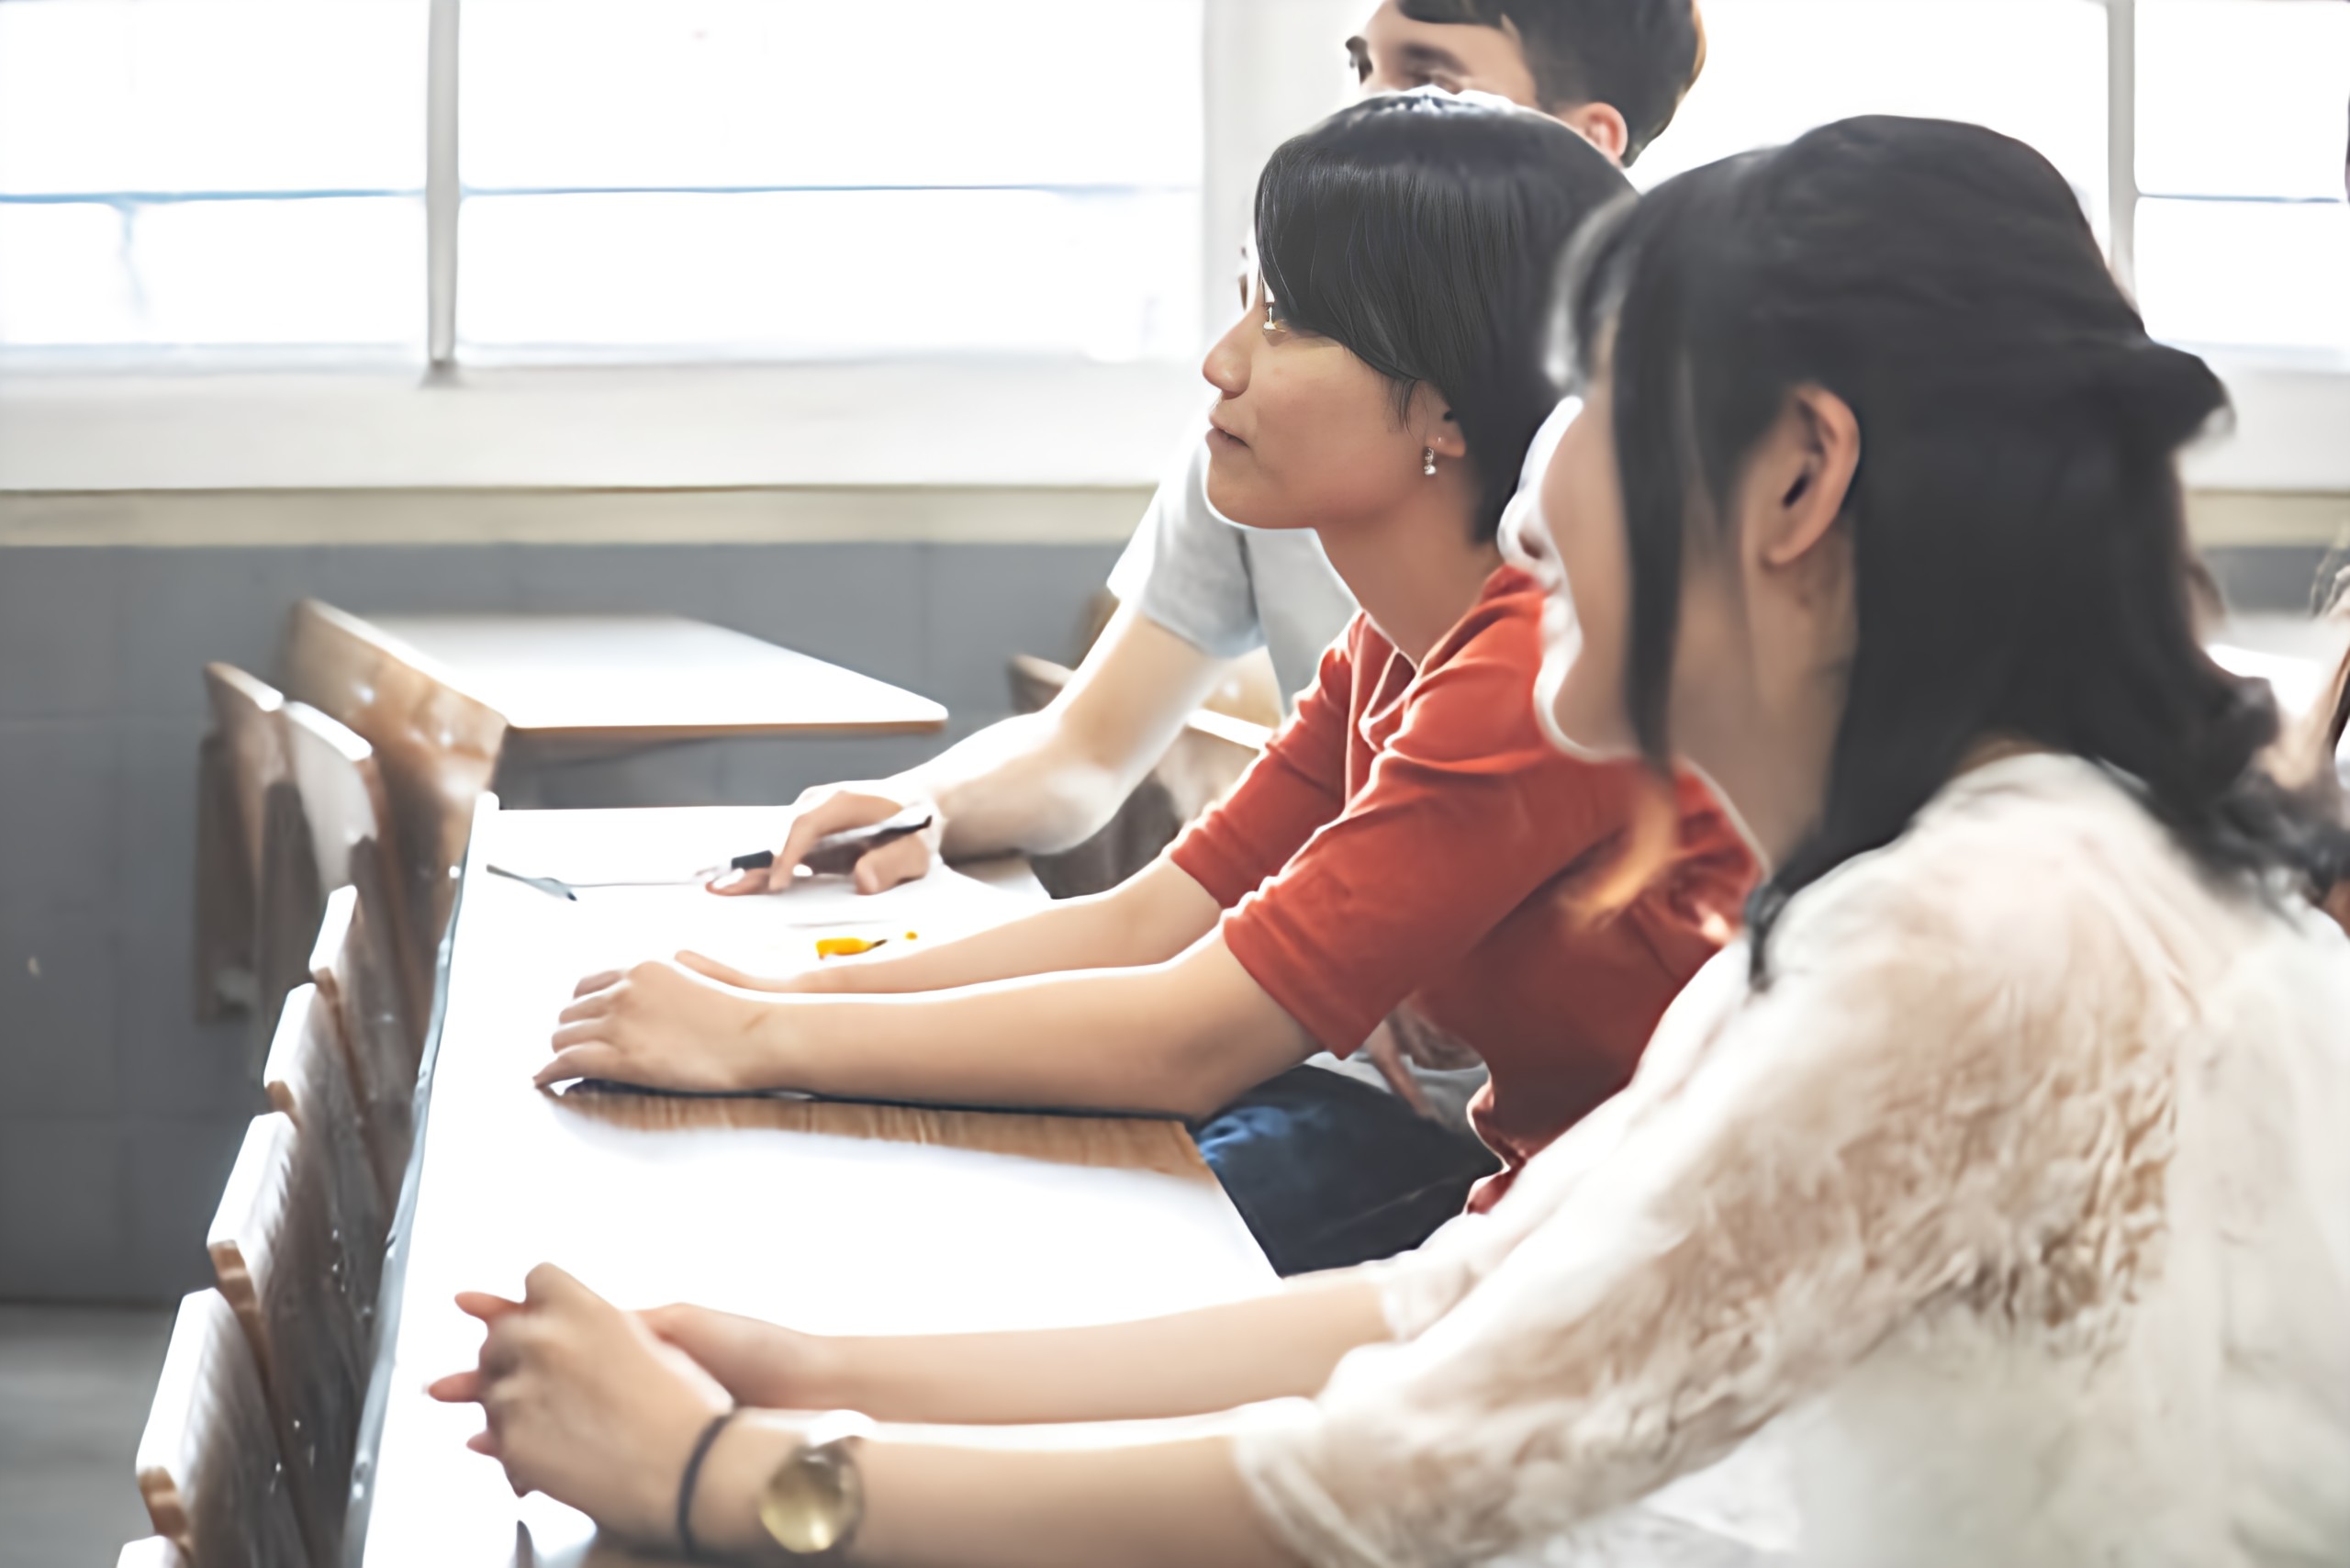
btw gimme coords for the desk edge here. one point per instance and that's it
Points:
(394, 1289)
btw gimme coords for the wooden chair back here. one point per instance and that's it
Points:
(307, 1077)
(245, 713)
(274, 1253)
(279, 896)
(207, 1463)
(224, 890)
(349, 815)
(355, 971)
(1207, 758)
(436, 749)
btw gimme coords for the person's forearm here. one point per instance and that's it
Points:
(1048, 781)
(1179, 1039)
(1018, 786)
(940, 1505)
(1147, 919)
(1267, 1346)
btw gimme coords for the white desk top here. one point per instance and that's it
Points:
(830, 1217)
(650, 677)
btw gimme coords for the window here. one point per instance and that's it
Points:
(815, 180)
(2034, 69)
(211, 173)
(2231, 226)
(786, 181)
(673, 179)
(2242, 232)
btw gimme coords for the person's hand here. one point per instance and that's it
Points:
(1404, 1036)
(758, 1363)
(584, 1402)
(828, 809)
(660, 1025)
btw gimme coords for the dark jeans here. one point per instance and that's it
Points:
(1328, 1170)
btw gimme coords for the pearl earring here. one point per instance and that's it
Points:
(1428, 461)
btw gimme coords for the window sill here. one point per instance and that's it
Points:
(2291, 428)
(887, 425)
(999, 424)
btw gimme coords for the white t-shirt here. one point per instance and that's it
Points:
(1229, 591)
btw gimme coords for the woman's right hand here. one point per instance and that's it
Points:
(664, 1026)
(759, 1363)
(826, 809)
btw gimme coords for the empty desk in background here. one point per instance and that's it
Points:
(832, 1216)
(657, 710)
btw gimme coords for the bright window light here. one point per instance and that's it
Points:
(1775, 69)
(827, 273)
(2247, 273)
(2243, 97)
(2243, 111)
(726, 177)
(211, 173)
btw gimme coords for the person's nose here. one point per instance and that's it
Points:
(1227, 365)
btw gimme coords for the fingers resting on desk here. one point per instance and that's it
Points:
(655, 1024)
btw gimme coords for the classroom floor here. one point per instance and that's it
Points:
(74, 1382)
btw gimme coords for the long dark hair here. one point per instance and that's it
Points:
(2017, 529)
(1420, 231)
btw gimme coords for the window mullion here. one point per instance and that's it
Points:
(2121, 138)
(441, 190)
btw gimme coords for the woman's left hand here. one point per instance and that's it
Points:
(659, 1024)
(585, 1404)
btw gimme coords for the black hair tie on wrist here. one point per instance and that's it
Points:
(693, 1473)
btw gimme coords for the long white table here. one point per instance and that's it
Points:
(830, 1216)
(636, 679)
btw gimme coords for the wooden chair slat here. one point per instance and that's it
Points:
(245, 713)
(344, 799)
(207, 1463)
(307, 1077)
(275, 1251)
(272, 858)
(355, 973)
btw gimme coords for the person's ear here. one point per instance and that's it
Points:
(1802, 475)
(1434, 424)
(1602, 125)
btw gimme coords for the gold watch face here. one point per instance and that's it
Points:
(809, 1503)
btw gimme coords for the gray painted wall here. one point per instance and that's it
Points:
(119, 1116)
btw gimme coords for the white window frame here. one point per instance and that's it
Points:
(948, 422)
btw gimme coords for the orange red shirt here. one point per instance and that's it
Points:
(1411, 834)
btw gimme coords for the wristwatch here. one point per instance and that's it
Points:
(813, 1503)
